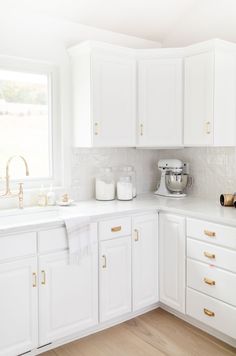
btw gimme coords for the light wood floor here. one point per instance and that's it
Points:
(155, 333)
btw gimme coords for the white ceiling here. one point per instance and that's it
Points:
(173, 22)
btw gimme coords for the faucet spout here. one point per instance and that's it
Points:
(8, 192)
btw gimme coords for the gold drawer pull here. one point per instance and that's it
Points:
(209, 233)
(96, 128)
(136, 236)
(141, 129)
(43, 282)
(209, 281)
(105, 261)
(34, 279)
(208, 312)
(209, 255)
(116, 229)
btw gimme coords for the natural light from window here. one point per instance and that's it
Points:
(25, 122)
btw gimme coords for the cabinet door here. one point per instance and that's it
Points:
(160, 99)
(18, 307)
(68, 295)
(172, 261)
(113, 101)
(145, 261)
(199, 96)
(115, 278)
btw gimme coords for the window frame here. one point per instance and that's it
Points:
(54, 134)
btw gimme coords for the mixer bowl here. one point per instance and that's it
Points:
(176, 182)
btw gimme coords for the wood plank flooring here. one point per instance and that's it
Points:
(155, 333)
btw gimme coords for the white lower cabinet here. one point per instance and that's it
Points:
(172, 261)
(68, 297)
(18, 307)
(115, 277)
(145, 260)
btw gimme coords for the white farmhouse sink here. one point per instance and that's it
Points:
(28, 216)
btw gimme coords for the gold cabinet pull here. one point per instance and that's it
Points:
(105, 261)
(43, 282)
(208, 127)
(34, 279)
(209, 281)
(136, 235)
(208, 312)
(209, 255)
(96, 128)
(209, 233)
(141, 129)
(116, 229)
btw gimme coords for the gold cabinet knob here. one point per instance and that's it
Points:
(209, 281)
(116, 229)
(209, 233)
(136, 235)
(209, 255)
(208, 312)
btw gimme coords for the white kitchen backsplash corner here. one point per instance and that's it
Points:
(213, 169)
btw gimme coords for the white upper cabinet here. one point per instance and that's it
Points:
(104, 96)
(160, 102)
(210, 92)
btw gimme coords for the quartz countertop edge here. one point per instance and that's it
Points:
(189, 206)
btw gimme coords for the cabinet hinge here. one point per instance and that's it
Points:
(40, 347)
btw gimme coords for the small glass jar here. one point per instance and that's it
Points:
(129, 171)
(124, 188)
(105, 185)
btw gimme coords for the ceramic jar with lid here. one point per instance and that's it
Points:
(105, 185)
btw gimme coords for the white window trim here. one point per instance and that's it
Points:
(55, 135)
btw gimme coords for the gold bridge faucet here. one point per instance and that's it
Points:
(20, 194)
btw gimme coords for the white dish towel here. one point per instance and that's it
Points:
(79, 238)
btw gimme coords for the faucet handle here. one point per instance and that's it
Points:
(21, 196)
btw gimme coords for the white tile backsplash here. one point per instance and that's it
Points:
(213, 169)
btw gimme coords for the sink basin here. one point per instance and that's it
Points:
(28, 216)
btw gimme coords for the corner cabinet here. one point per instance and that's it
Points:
(210, 91)
(172, 261)
(104, 96)
(160, 102)
(145, 260)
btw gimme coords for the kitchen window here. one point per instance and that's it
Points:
(28, 124)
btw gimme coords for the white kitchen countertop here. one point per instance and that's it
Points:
(38, 218)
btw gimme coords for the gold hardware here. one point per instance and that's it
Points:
(209, 281)
(34, 279)
(96, 128)
(136, 238)
(44, 277)
(208, 127)
(208, 312)
(209, 233)
(20, 194)
(209, 255)
(105, 261)
(141, 129)
(116, 229)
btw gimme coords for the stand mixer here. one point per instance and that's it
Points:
(174, 178)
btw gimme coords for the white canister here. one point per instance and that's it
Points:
(105, 185)
(124, 188)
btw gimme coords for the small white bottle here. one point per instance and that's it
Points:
(42, 197)
(51, 197)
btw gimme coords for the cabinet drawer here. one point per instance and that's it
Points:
(212, 281)
(113, 228)
(212, 254)
(213, 233)
(52, 240)
(13, 246)
(212, 312)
